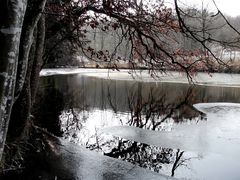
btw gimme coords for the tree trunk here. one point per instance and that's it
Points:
(23, 99)
(11, 20)
(16, 73)
(37, 64)
(33, 14)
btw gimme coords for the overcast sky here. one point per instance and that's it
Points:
(230, 7)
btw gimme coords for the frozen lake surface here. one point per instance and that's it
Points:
(219, 134)
(211, 146)
(163, 124)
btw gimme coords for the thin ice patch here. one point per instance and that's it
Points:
(216, 107)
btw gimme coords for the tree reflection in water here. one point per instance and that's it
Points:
(48, 107)
(146, 111)
(81, 106)
(151, 112)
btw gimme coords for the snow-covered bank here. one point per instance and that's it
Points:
(215, 79)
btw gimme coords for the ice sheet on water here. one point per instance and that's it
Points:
(219, 134)
(211, 147)
(216, 79)
(218, 108)
(125, 74)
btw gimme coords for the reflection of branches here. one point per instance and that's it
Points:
(110, 100)
(74, 114)
(98, 142)
(144, 155)
(178, 161)
(148, 106)
(73, 121)
(49, 107)
(152, 109)
(175, 107)
(147, 156)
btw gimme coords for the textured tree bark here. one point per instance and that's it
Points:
(11, 20)
(33, 14)
(37, 64)
(18, 19)
(26, 68)
(22, 106)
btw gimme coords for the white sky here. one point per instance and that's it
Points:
(229, 7)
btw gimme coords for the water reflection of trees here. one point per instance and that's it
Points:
(75, 114)
(50, 103)
(148, 110)
(53, 101)
(148, 106)
(152, 109)
(143, 155)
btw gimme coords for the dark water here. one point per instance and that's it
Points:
(78, 108)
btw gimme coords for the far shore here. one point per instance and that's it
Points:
(199, 78)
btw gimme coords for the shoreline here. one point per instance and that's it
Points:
(200, 78)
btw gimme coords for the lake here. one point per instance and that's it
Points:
(163, 124)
